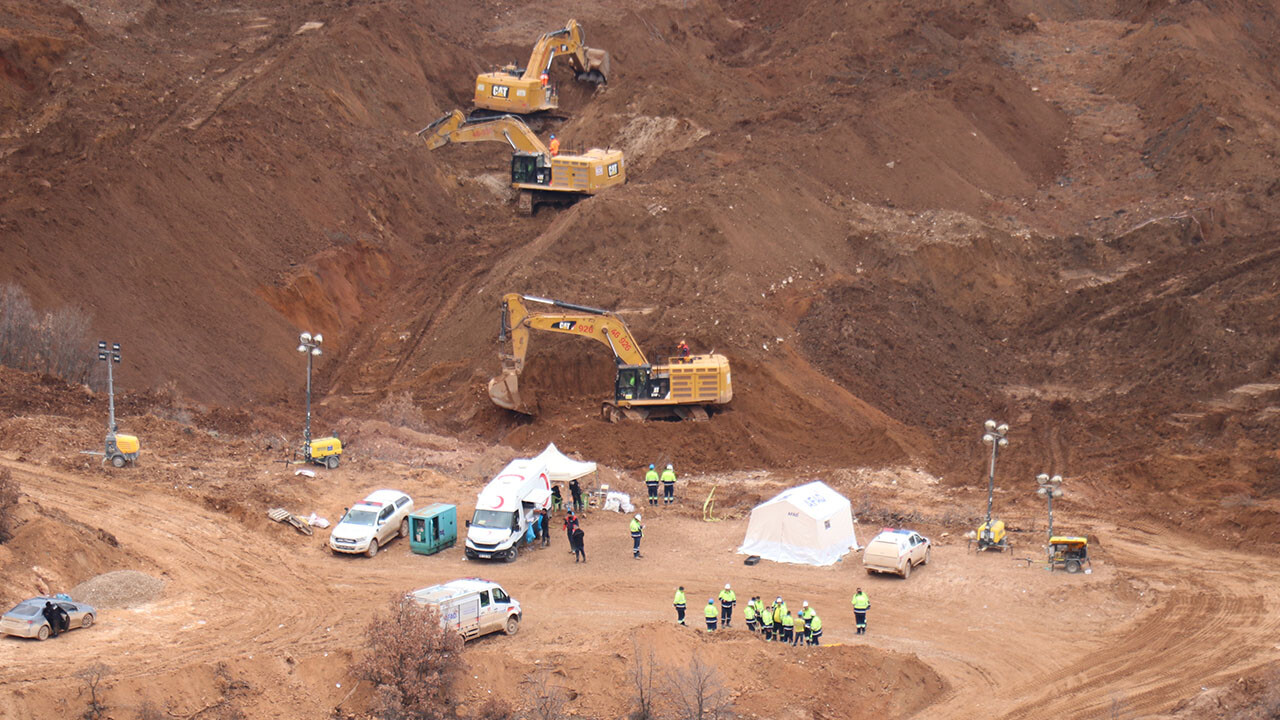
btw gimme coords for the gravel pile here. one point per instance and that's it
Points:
(118, 589)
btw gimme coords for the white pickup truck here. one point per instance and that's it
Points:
(471, 606)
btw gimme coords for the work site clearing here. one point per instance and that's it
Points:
(894, 220)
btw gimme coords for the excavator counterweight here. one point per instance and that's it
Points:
(682, 387)
(522, 90)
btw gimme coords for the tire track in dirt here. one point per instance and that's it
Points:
(220, 574)
(1211, 624)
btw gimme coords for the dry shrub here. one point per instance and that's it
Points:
(8, 504)
(410, 659)
(495, 708)
(56, 344)
(696, 692)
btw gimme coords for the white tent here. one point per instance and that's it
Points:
(563, 468)
(810, 524)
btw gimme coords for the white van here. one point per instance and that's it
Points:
(471, 606)
(506, 507)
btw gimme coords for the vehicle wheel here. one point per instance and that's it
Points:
(512, 554)
(906, 569)
(1073, 566)
(373, 548)
(513, 625)
(404, 528)
(118, 461)
(87, 620)
(870, 571)
(43, 633)
(331, 462)
(926, 556)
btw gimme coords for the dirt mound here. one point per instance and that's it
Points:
(118, 589)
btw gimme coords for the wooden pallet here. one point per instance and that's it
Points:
(281, 515)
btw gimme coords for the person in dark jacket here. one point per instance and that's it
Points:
(544, 518)
(570, 524)
(579, 546)
(576, 491)
(557, 501)
(51, 616)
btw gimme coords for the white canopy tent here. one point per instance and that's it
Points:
(561, 467)
(810, 524)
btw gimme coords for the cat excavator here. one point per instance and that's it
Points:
(541, 178)
(512, 89)
(682, 387)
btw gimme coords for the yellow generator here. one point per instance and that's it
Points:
(122, 448)
(325, 451)
(992, 536)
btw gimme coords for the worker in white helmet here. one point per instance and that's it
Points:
(637, 532)
(668, 485)
(727, 599)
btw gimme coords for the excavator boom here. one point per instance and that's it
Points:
(455, 128)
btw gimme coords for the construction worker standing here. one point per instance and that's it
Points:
(815, 629)
(788, 627)
(861, 603)
(779, 609)
(759, 604)
(807, 614)
(766, 623)
(668, 485)
(679, 603)
(799, 631)
(637, 532)
(651, 484)
(727, 599)
(710, 613)
(554, 146)
(749, 614)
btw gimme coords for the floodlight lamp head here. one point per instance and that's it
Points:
(318, 338)
(305, 337)
(989, 425)
(315, 351)
(1041, 491)
(102, 344)
(988, 438)
(115, 347)
(302, 348)
(1042, 478)
(1056, 479)
(1057, 492)
(1003, 428)
(1004, 442)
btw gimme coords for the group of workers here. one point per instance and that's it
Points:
(668, 480)
(774, 622)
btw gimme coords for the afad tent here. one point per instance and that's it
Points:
(563, 468)
(810, 524)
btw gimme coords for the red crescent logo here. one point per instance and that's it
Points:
(500, 501)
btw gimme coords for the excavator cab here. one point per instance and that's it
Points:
(635, 383)
(530, 169)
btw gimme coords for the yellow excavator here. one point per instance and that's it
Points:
(524, 90)
(541, 178)
(683, 387)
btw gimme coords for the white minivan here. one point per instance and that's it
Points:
(471, 606)
(506, 507)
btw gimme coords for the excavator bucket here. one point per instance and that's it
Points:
(597, 66)
(504, 391)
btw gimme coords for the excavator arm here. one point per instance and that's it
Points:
(593, 323)
(455, 128)
(590, 64)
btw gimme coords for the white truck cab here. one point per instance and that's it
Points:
(506, 507)
(472, 606)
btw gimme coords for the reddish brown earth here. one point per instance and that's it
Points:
(897, 220)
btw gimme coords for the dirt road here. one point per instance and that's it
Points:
(1148, 627)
